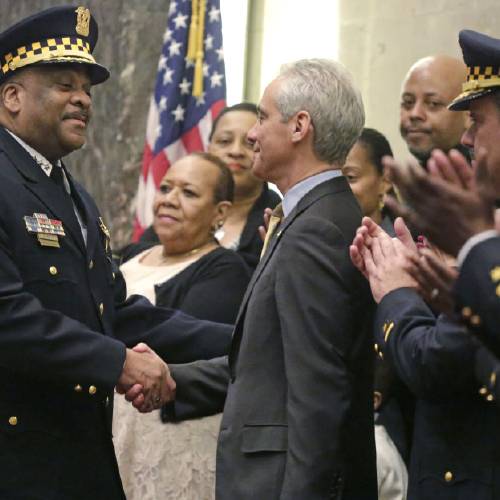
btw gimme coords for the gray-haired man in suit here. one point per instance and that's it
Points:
(298, 416)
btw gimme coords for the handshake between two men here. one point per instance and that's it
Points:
(145, 380)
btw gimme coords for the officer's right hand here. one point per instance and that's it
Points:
(146, 380)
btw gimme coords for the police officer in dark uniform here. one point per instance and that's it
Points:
(478, 285)
(68, 335)
(461, 220)
(456, 442)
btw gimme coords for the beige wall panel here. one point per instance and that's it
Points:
(380, 40)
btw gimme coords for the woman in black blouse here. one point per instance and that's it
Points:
(189, 271)
(228, 141)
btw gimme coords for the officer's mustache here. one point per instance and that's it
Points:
(77, 115)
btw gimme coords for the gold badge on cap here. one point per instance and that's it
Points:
(47, 230)
(82, 21)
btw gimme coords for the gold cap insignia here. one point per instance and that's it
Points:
(82, 21)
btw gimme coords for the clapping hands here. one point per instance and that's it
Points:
(449, 203)
(392, 263)
(435, 279)
(383, 260)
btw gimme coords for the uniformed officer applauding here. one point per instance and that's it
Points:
(456, 206)
(452, 368)
(67, 336)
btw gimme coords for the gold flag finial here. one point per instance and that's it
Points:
(193, 31)
(198, 67)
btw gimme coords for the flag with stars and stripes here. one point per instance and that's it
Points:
(178, 121)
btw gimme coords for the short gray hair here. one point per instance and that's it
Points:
(325, 90)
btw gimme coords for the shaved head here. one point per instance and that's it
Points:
(449, 70)
(425, 122)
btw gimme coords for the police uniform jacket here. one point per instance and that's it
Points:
(456, 440)
(478, 292)
(65, 326)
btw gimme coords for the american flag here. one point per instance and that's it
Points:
(179, 123)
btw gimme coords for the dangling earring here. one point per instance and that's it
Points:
(217, 230)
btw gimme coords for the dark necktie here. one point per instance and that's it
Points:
(57, 176)
(66, 202)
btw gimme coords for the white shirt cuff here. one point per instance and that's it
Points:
(472, 242)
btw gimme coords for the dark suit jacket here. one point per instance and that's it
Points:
(456, 443)
(478, 292)
(64, 329)
(298, 418)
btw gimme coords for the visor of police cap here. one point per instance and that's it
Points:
(482, 57)
(60, 35)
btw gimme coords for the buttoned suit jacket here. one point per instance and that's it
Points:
(478, 292)
(298, 417)
(62, 312)
(456, 438)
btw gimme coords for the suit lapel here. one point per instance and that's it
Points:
(326, 188)
(238, 329)
(41, 186)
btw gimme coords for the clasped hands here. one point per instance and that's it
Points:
(145, 380)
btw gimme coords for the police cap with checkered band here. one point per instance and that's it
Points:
(482, 56)
(60, 35)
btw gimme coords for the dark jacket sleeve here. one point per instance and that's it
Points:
(173, 330)
(213, 291)
(201, 389)
(478, 292)
(44, 341)
(433, 356)
(175, 336)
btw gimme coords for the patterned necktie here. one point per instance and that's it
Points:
(274, 222)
